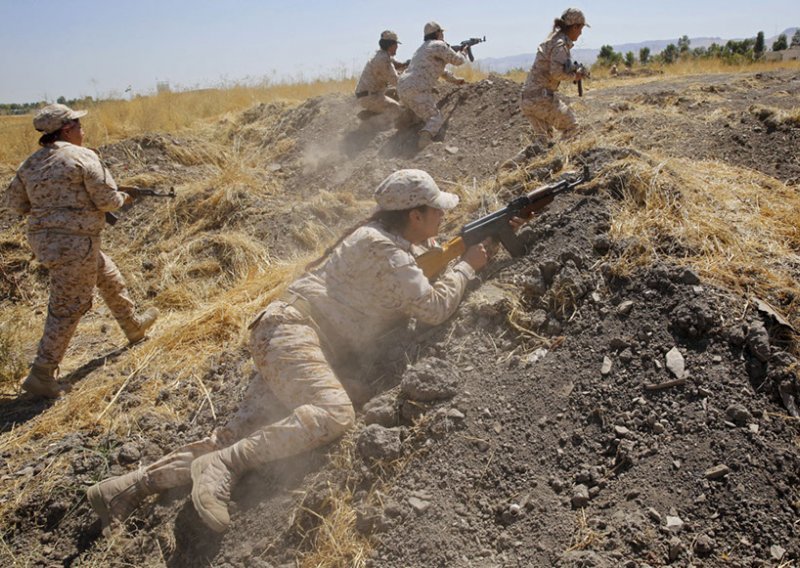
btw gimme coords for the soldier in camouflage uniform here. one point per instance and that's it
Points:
(365, 285)
(415, 86)
(540, 103)
(379, 73)
(65, 190)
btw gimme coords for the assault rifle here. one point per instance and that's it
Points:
(496, 226)
(466, 46)
(137, 192)
(579, 68)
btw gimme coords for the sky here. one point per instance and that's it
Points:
(99, 48)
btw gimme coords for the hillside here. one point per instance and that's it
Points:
(588, 56)
(623, 395)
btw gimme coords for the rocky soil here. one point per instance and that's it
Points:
(567, 415)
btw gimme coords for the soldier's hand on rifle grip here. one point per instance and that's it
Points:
(476, 256)
(518, 222)
(128, 198)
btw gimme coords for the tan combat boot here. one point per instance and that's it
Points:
(136, 327)
(41, 382)
(115, 498)
(213, 476)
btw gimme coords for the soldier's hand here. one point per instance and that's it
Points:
(461, 81)
(476, 256)
(128, 198)
(517, 222)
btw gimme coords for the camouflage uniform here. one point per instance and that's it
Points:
(540, 103)
(415, 85)
(65, 190)
(368, 285)
(379, 73)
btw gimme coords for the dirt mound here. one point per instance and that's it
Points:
(578, 410)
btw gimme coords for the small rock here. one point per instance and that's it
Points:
(674, 524)
(704, 545)
(129, 453)
(738, 414)
(451, 149)
(676, 548)
(580, 496)
(419, 505)
(376, 442)
(625, 308)
(605, 369)
(675, 363)
(717, 472)
(689, 276)
(777, 552)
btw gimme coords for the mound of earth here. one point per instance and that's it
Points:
(567, 415)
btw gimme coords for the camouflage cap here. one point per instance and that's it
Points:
(389, 35)
(432, 28)
(406, 189)
(52, 117)
(572, 16)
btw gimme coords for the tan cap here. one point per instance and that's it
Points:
(432, 28)
(572, 16)
(52, 117)
(406, 189)
(389, 35)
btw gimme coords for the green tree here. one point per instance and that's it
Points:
(670, 54)
(61, 100)
(796, 38)
(644, 55)
(608, 57)
(780, 43)
(630, 59)
(759, 47)
(683, 44)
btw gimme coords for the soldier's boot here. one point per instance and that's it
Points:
(213, 477)
(115, 498)
(135, 327)
(41, 382)
(425, 138)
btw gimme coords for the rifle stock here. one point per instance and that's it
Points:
(434, 261)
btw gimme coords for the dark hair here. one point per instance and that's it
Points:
(393, 221)
(46, 139)
(386, 43)
(559, 24)
(431, 36)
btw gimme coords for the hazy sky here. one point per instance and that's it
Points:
(50, 48)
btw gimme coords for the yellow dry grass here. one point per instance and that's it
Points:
(737, 227)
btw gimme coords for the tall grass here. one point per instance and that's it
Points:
(167, 112)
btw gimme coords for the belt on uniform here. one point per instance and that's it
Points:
(291, 299)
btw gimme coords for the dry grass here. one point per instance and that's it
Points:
(737, 227)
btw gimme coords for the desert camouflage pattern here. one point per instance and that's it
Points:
(64, 188)
(76, 265)
(368, 286)
(409, 188)
(540, 103)
(52, 117)
(415, 85)
(378, 73)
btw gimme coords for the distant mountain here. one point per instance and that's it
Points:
(589, 56)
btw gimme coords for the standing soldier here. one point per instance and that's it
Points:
(540, 103)
(415, 86)
(364, 285)
(65, 190)
(379, 73)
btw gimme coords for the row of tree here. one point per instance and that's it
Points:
(25, 108)
(733, 51)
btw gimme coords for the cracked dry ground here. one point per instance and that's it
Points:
(567, 415)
